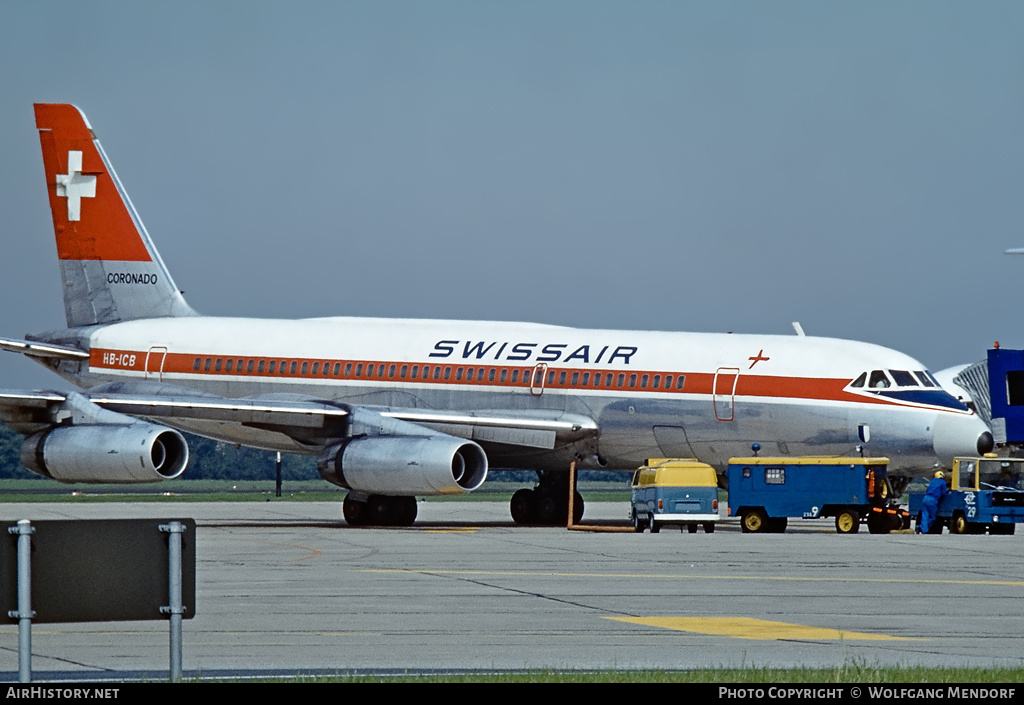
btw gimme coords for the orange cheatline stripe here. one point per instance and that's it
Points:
(695, 382)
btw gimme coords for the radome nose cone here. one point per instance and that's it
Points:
(960, 434)
(986, 443)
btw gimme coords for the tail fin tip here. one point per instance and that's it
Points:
(110, 268)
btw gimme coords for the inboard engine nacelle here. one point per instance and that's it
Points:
(405, 465)
(132, 453)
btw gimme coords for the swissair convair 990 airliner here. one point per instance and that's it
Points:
(393, 409)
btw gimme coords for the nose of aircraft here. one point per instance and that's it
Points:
(960, 434)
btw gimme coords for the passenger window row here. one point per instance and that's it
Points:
(501, 375)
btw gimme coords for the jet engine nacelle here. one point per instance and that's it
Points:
(135, 453)
(405, 465)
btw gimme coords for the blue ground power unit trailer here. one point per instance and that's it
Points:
(766, 492)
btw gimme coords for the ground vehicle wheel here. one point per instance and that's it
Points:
(905, 522)
(754, 521)
(1001, 529)
(523, 506)
(637, 526)
(778, 526)
(879, 523)
(847, 522)
(709, 527)
(650, 523)
(692, 528)
(958, 524)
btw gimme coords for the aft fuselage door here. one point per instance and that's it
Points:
(724, 392)
(537, 383)
(155, 363)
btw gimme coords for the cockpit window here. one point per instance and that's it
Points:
(879, 380)
(903, 378)
(923, 376)
(859, 382)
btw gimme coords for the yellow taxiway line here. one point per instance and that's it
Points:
(750, 628)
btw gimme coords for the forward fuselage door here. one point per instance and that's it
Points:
(155, 362)
(724, 392)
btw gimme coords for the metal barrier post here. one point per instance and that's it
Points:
(277, 473)
(175, 609)
(24, 614)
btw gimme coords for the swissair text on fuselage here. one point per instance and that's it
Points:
(521, 352)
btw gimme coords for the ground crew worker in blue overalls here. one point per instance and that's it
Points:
(930, 504)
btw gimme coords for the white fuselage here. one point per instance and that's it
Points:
(650, 394)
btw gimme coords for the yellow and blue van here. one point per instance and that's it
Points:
(671, 491)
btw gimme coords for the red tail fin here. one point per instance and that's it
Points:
(110, 268)
(91, 220)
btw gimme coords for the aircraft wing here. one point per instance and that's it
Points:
(28, 412)
(307, 421)
(509, 428)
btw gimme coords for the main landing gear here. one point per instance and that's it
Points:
(548, 503)
(379, 510)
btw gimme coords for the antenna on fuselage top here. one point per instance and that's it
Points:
(799, 329)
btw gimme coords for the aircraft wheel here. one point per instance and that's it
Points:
(692, 528)
(754, 521)
(958, 524)
(404, 510)
(382, 510)
(577, 507)
(355, 513)
(523, 507)
(709, 527)
(847, 522)
(548, 511)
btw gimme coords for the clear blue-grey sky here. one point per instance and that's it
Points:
(707, 166)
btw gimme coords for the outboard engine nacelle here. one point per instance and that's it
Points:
(133, 453)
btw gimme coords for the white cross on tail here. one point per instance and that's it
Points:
(75, 186)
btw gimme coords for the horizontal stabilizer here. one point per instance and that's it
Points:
(27, 347)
